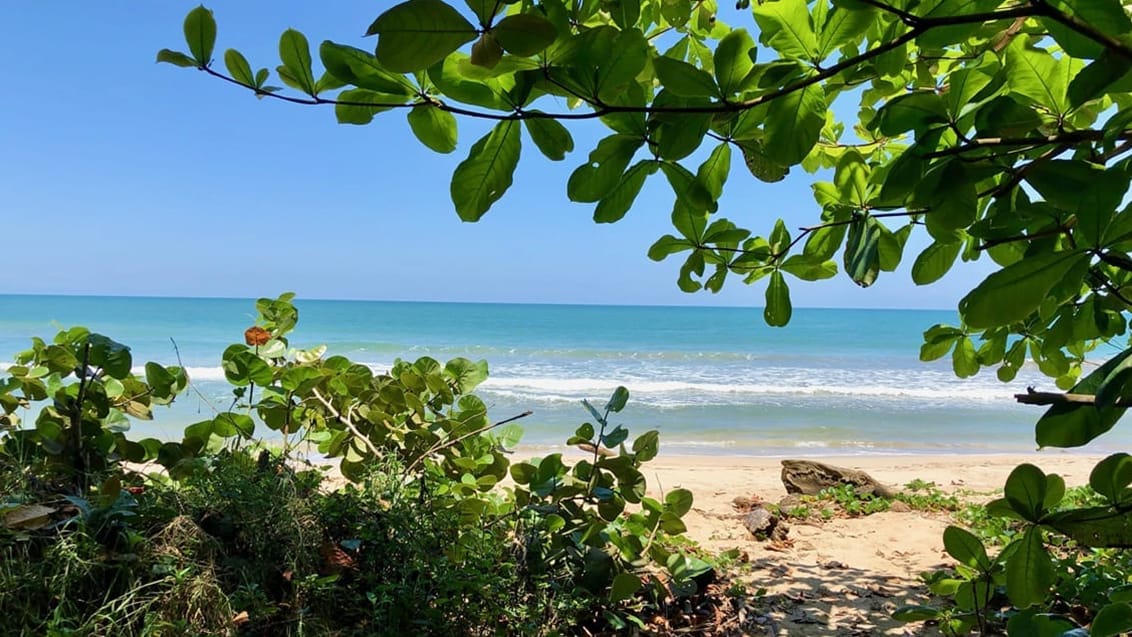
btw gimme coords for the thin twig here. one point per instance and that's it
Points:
(1054, 398)
(345, 420)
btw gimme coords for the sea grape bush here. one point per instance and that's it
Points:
(575, 515)
(92, 392)
(571, 524)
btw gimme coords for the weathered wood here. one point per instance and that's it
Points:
(809, 478)
(1054, 398)
(765, 525)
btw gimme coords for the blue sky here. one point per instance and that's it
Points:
(121, 176)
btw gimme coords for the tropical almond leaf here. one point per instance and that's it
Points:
(487, 173)
(524, 34)
(176, 58)
(1014, 292)
(200, 34)
(550, 136)
(416, 34)
(295, 52)
(434, 127)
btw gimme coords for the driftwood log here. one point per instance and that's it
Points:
(807, 477)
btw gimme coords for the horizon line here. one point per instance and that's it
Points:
(465, 302)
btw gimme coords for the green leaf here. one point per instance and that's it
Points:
(678, 502)
(963, 359)
(435, 128)
(109, 355)
(623, 587)
(627, 57)
(550, 136)
(1029, 571)
(595, 179)
(618, 202)
(1025, 490)
(295, 52)
(807, 268)
(794, 121)
(1111, 620)
(843, 26)
(761, 166)
(778, 309)
(416, 34)
(1074, 424)
(683, 79)
(1016, 291)
(934, 262)
(965, 548)
(238, 67)
(524, 34)
(785, 26)
(200, 35)
(910, 112)
(1111, 477)
(482, 178)
(647, 445)
(687, 187)
(862, 257)
(965, 83)
(359, 105)
(1098, 78)
(617, 400)
(467, 374)
(915, 613)
(175, 58)
(360, 68)
(1037, 76)
(733, 60)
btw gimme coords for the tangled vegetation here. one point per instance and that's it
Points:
(217, 534)
(1000, 128)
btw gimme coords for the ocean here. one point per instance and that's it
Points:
(711, 380)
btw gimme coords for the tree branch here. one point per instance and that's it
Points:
(1067, 137)
(1032, 397)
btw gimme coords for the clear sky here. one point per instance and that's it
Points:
(121, 176)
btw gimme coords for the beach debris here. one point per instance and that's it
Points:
(765, 525)
(27, 517)
(808, 477)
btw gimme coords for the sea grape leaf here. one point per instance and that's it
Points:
(416, 34)
(481, 179)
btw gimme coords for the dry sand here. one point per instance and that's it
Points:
(843, 576)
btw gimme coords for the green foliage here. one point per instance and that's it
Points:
(422, 538)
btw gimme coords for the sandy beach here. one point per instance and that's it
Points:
(843, 576)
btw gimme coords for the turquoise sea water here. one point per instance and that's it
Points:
(712, 380)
